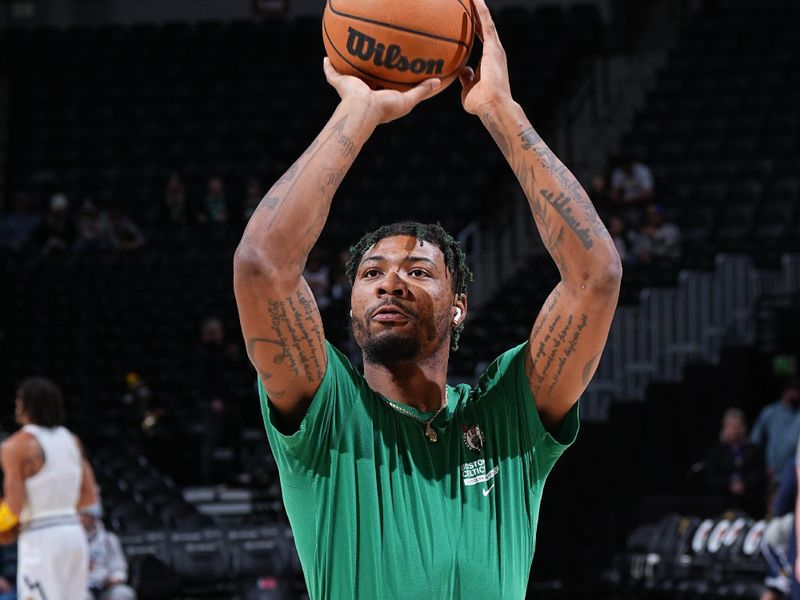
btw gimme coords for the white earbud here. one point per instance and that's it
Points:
(458, 315)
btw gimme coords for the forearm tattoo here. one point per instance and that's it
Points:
(550, 188)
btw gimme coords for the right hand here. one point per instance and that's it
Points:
(489, 85)
(384, 105)
(5, 585)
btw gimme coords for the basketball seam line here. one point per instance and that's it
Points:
(399, 27)
(465, 9)
(370, 75)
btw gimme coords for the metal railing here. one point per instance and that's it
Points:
(672, 326)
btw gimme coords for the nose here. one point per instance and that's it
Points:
(392, 285)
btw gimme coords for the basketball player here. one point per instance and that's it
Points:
(398, 486)
(46, 479)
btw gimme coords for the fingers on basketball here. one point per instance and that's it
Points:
(485, 28)
(397, 45)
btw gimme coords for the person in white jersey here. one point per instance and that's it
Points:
(46, 480)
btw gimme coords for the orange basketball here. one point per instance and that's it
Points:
(398, 43)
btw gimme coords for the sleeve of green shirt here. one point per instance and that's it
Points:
(306, 451)
(506, 380)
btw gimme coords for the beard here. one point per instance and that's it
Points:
(389, 347)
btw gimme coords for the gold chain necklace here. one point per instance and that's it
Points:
(429, 432)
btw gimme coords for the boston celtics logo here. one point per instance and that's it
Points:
(473, 437)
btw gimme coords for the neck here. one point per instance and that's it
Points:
(419, 384)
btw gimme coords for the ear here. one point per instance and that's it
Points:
(459, 309)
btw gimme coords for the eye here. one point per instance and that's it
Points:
(370, 273)
(418, 273)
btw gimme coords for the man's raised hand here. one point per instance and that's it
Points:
(384, 105)
(489, 84)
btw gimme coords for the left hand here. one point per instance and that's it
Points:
(489, 84)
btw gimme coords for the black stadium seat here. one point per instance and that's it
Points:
(200, 556)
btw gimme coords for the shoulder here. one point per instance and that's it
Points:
(508, 363)
(768, 411)
(76, 439)
(17, 444)
(18, 440)
(504, 380)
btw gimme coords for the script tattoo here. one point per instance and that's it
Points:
(274, 199)
(554, 339)
(252, 344)
(562, 205)
(572, 344)
(541, 174)
(297, 342)
(530, 138)
(552, 233)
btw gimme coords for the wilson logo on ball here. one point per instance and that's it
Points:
(365, 47)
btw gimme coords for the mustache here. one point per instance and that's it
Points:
(396, 303)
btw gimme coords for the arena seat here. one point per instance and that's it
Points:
(265, 588)
(260, 556)
(199, 556)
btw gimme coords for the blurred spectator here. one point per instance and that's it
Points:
(318, 276)
(94, 229)
(16, 228)
(174, 210)
(656, 240)
(631, 182)
(213, 367)
(108, 568)
(777, 429)
(125, 234)
(8, 572)
(778, 546)
(56, 232)
(340, 283)
(215, 207)
(619, 234)
(253, 194)
(735, 467)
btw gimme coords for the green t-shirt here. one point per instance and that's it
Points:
(380, 513)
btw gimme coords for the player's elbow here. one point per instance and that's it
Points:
(248, 261)
(606, 279)
(252, 262)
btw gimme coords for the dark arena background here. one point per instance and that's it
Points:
(136, 137)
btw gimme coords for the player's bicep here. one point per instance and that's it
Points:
(285, 342)
(566, 343)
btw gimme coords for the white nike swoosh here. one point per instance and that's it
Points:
(486, 492)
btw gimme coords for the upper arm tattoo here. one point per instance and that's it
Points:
(297, 339)
(554, 339)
